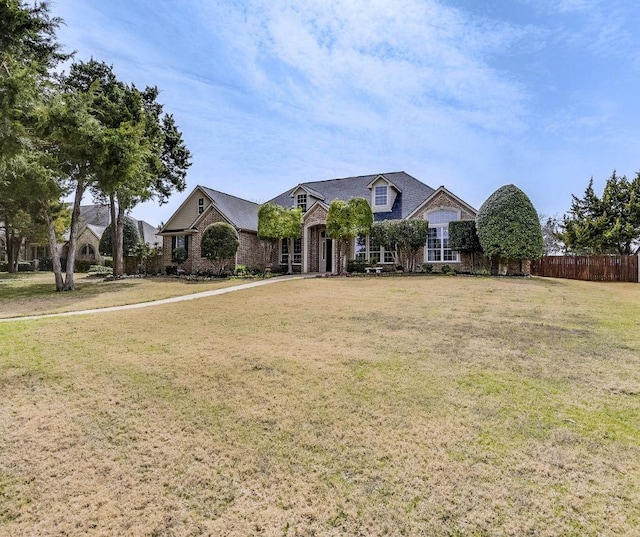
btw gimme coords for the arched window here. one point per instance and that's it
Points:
(437, 249)
(87, 251)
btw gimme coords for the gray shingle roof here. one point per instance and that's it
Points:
(412, 192)
(242, 213)
(98, 217)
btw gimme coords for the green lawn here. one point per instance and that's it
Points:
(339, 406)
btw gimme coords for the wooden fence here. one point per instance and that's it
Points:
(606, 268)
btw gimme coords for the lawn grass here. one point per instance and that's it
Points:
(369, 406)
(34, 293)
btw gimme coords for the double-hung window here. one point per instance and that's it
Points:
(366, 249)
(380, 198)
(297, 251)
(438, 249)
(301, 201)
(200, 205)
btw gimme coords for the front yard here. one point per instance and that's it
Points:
(33, 293)
(363, 406)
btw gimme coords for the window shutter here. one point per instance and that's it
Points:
(173, 243)
(186, 244)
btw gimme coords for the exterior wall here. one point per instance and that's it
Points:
(187, 214)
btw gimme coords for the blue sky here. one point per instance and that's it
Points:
(467, 94)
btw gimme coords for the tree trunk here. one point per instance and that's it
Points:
(290, 256)
(53, 247)
(69, 284)
(118, 244)
(13, 251)
(112, 228)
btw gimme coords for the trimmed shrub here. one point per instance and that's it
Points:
(356, 265)
(508, 226)
(463, 236)
(82, 265)
(171, 270)
(219, 244)
(448, 270)
(427, 268)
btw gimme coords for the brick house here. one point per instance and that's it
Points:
(203, 207)
(392, 196)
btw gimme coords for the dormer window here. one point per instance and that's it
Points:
(381, 196)
(200, 205)
(301, 201)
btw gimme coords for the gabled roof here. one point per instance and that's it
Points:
(308, 190)
(148, 233)
(242, 213)
(471, 209)
(412, 191)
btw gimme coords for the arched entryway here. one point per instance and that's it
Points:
(319, 251)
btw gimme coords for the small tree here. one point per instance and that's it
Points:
(277, 223)
(403, 237)
(130, 238)
(508, 226)
(179, 255)
(463, 237)
(345, 221)
(219, 244)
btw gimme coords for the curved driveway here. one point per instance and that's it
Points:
(171, 300)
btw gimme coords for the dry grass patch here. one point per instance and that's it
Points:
(35, 294)
(409, 406)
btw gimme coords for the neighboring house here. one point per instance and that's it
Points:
(203, 207)
(94, 219)
(395, 195)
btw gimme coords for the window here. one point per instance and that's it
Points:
(438, 249)
(360, 249)
(301, 201)
(39, 252)
(200, 205)
(87, 252)
(380, 196)
(366, 249)
(179, 241)
(297, 251)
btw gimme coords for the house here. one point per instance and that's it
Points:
(94, 219)
(392, 196)
(395, 195)
(203, 207)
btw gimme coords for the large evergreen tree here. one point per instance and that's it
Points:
(28, 190)
(604, 225)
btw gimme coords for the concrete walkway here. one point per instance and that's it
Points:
(171, 300)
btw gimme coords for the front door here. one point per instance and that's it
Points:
(326, 254)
